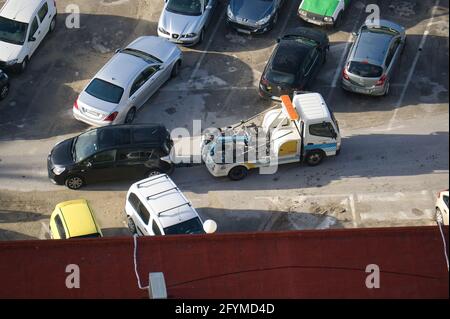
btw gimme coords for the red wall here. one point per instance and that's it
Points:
(308, 264)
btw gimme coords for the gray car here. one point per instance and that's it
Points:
(127, 81)
(185, 21)
(373, 58)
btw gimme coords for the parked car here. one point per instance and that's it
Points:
(295, 61)
(119, 152)
(155, 206)
(185, 21)
(73, 219)
(4, 85)
(23, 26)
(373, 58)
(323, 12)
(253, 16)
(127, 81)
(442, 209)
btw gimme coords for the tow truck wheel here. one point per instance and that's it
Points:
(237, 173)
(314, 158)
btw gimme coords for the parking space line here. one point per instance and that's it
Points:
(413, 67)
(206, 50)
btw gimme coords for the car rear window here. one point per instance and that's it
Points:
(191, 226)
(105, 91)
(280, 77)
(365, 70)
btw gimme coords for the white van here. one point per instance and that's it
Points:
(155, 206)
(23, 26)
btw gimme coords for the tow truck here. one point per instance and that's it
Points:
(301, 130)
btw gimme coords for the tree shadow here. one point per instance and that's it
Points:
(12, 235)
(12, 216)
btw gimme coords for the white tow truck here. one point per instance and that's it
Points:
(301, 130)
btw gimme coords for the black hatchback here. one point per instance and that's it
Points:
(119, 152)
(296, 60)
(4, 85)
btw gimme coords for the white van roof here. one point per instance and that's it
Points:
(20, 10)
(311, 107)
(162, 197)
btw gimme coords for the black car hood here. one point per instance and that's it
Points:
(251, 9)
(62, 153)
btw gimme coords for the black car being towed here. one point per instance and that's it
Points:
(111, 153)
(296, 60)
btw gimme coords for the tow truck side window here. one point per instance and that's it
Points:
(322, 129)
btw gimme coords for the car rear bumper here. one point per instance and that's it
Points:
(83, 118)
(374, 90)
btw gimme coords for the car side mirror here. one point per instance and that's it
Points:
(31, 39)
(278, 40)
(117, 51)
(354, 34)
(208, 7)
(89, 164)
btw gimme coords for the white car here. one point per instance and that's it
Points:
(23, 26)
(127, 81)
(185, 21)
(155, 206)
(442, 207)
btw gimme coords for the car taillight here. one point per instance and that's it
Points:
(75, 105)
(111, 117)
(345, 75)
(381, 81)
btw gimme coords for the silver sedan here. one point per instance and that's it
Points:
(185, 21)
(127, 81)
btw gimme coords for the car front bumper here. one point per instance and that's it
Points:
(183, 41)
(316, 19)
(247, 28)
(374, 90)
(55, 179)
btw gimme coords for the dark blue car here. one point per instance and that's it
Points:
(253, 16)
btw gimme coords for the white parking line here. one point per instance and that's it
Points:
(211, 38)
(413, 67)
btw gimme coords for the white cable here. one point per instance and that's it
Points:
(445, 243)
(135, 264)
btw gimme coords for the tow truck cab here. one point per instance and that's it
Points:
(302, 130)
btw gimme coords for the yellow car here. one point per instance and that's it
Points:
(73, 219)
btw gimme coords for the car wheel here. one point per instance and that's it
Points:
(23, 66)
(175, 69)
(202, 37)
(4, 92)
(388, 87)
(153, 172)
(131, 226)
(237, 173)
(129, 118)
(52, 25)
(74, 182)
(439, 217)
(314, 158)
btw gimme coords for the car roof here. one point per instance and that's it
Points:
(290, 55)
(20, 10)
(372, 45)
(161, 196)
(311, 107)
(122, 69)
(78, 218)
(155, 136)
(158, 47)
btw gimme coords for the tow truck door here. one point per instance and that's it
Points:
(322, 136)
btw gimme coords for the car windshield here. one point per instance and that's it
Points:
(187, 7)
(280, 77)
(366, 70)
(105, 91)
(191, 226)
(142, 55)
(85, 146)
(13, 31)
